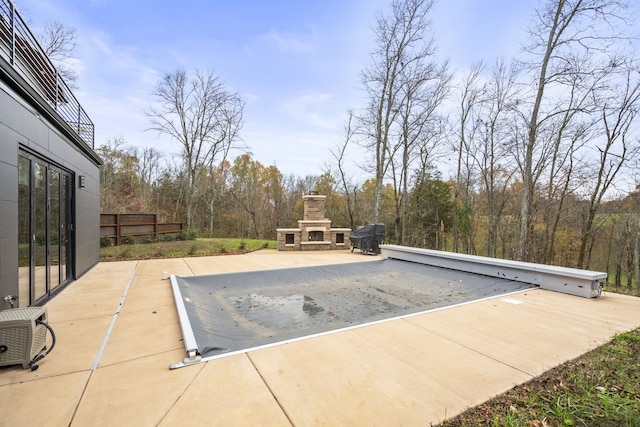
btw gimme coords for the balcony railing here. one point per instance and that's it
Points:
(23, 52)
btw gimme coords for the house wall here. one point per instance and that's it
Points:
(22, 126)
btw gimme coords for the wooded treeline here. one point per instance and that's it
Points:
(542, 148)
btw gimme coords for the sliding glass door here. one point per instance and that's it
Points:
(45, 198)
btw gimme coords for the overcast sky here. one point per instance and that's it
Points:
(294, 62)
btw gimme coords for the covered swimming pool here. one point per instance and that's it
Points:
(224, 314)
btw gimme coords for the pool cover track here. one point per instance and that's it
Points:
(225, 314)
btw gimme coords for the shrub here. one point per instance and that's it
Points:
(242, 246)
(148, 239)
(193, 250)
(128, 240)
(40, 238)
(169, 237)
(187, 235)
(105, 242)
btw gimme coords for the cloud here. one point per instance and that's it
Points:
(298, 152)
(310, 108)
(115, 68)
(291, 43)
(115, 83)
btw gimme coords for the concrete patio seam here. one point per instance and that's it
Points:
(181, 396)
(264, 381)
(470, 348)
(84, 390)
(142, 356)
(193, 273)
(113, 321)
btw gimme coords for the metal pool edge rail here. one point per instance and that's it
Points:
(571, 281)
(190, 344)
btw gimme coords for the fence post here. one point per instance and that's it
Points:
(118, 235)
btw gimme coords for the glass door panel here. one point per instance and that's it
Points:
(44, 229)
(65, 223)
(54, 228)
(39, 238)
(24, 231)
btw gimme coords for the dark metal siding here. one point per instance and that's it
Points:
(21, 125)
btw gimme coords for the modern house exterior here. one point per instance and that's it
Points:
(49, 173)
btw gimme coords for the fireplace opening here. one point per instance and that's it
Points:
(316, 236)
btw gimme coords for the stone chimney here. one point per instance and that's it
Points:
(314, 207)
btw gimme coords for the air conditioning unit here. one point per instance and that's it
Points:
(23, 336)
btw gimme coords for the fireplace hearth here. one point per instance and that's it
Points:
(314, 231)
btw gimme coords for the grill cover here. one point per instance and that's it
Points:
(367, 238)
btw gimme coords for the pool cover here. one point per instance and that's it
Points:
(238, 311)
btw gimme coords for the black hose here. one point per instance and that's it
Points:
(34, 363)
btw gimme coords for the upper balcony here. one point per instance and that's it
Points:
(21, 52)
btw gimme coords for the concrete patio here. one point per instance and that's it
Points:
(118, 331)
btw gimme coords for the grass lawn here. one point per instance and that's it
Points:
(183, 248)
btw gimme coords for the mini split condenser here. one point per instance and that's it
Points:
(23, 336)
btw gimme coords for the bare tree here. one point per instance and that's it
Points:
(489, 148)
(339, 155)
(465, 128)
(201, 115)
(561, 30)
(59, 44)
(247, 187)
(424, 87)
(111, 154)
(149, 171)
(402, 40)
(572, 130)
(619, 144)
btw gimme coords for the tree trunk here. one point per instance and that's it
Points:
(528, 183)
(636, 258)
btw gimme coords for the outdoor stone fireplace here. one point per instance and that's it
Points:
(314, 231)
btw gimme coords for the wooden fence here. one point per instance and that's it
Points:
(138, 226)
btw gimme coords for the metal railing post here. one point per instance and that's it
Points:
(12, 50)
(57, 89)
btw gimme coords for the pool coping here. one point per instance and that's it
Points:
(571, 281)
